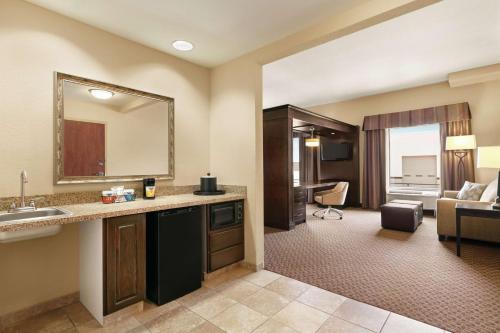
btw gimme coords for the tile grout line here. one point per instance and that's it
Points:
(385, 322)
(350, 322)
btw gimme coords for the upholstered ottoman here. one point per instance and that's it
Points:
(397, 216)
(420, 205)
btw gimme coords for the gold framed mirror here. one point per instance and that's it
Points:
(108, 133)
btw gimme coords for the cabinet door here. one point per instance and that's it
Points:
(125, 261)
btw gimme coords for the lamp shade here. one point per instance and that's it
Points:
(461, 142)
(488, 157)
(312, 142)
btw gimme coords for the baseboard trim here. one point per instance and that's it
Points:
(15, 317)
(253, 267)
(121, 314)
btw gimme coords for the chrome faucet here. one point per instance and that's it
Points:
(22, 203)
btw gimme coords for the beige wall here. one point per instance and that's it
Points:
(34, 43)
(39, 270)
(236, 142)
(484, 102)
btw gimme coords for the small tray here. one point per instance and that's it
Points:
(218, 192)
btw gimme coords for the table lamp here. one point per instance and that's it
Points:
(489, 157)
(460, 144)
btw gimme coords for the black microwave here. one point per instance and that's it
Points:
(226, 214)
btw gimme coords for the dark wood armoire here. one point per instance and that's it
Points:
(284, 200)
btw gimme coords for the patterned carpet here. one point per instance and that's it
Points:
(411, 274)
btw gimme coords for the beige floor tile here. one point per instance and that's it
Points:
(125, 325)
(212, 306)
(152, 311)
(231, 275)
(207, 327)
(55, 321)
(266, 302)
(262, 278)
(90, 326)
(178, 320)
(362, 314)
(239, 319)
(77, 313)
(337, 325)
(274, 326)
(124, 313)
(72, 330)
(397, 323)
(287, 287)
(238, 289)
(139, 329)
(196, 296)
(301, 317)
(321, 299)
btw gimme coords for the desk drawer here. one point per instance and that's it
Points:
(299, 215)
(299, 194)
(223, 239)
(226, 257)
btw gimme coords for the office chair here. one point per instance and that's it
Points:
(332, 197)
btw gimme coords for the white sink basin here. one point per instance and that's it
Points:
(31, 216)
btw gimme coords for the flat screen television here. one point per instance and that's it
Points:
(332, 151)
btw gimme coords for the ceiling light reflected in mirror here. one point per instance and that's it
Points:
(101, 93)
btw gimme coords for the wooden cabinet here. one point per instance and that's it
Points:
(225, 247)
(124, 261)
(226, 238)
(227, 256)
(299, 204)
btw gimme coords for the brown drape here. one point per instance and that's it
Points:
(374, 169)
(438, 114)
(449, 162)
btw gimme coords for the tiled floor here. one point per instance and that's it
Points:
(240, 301)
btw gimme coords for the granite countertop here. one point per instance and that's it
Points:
(97, 210)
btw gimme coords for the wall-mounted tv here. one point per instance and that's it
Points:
(332, 151)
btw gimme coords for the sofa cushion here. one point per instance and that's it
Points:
(471, 191)
(490, 193)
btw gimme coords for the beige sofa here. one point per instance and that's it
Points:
(472, 227)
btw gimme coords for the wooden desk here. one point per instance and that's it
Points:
(474, 210)
(310, 186)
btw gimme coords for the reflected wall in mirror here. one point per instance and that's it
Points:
(106, 132)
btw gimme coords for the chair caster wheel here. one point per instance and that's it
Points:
(341, 218)
(322, 217)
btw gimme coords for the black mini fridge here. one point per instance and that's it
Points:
(173, 253)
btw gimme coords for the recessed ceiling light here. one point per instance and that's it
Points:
(101, 93)
(182, 45)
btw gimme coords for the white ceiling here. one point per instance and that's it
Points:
(221, 30)
(419, 48)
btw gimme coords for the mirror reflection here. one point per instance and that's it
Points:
(112, 133)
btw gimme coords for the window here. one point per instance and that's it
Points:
(296, 159)
(415, 157)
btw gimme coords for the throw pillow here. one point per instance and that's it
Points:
(471, 191)
(490, 194)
